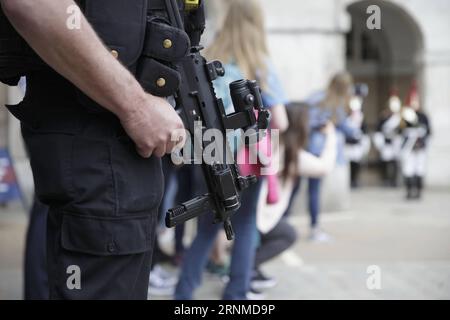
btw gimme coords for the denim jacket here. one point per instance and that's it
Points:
(318, 117)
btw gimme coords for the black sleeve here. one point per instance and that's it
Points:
(380, 124)
(364, 128)
(423, 119)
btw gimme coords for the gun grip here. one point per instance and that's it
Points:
(228, 229)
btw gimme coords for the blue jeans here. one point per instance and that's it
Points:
(314, 200)
(242, 256)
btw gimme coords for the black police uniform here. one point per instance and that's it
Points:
(35, 266)
(103, 197)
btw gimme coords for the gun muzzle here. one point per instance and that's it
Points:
(188, 210)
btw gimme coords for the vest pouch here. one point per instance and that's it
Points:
(120, 24)
(158, 78)
(165, 42)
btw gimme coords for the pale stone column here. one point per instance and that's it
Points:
(437, 103)
(433, 21)
(14, 142)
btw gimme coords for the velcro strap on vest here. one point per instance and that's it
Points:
(165, 42)
(157, 78)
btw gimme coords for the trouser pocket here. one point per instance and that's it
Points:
(93, 172)
(110, 179)
(139, 183)
(107, 236)
(99, 258)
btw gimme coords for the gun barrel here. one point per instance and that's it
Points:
(188, 210)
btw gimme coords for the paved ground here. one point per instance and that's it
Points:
(12, 239)
(409, 242)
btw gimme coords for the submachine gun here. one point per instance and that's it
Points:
(196, 102)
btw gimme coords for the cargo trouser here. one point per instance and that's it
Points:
(103, 199)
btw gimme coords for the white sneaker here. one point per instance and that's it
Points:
(260, 281)
(255, 295)
(319, 236)
(168, 277)
(161, 283)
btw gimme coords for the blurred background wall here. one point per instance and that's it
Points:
(11, 138)
(311, 40)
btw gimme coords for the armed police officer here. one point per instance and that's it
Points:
(95, 137)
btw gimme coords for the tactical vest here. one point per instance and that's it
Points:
(137, 32)
(16, 57)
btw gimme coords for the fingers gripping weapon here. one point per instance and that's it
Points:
(196, 102)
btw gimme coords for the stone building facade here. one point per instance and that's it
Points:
(311, 40)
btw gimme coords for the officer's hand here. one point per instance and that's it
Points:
(154, 126)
